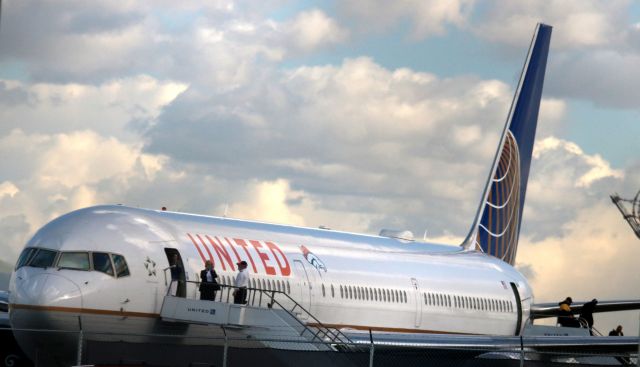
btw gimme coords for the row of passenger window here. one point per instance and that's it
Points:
(104, 262)
(472, 303)
(368, 294)
(264, 284)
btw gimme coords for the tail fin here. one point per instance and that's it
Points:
(496, 227)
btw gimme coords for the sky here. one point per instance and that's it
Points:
(356, 115)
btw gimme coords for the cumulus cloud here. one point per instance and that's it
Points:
(608, 77)
(427, 17)
(563, 181)
(576, 23)
(107, 108)
(91, 43)
(595, 257)
(573, 241)
(314, 29)
(348, 132)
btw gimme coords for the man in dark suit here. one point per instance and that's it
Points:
(587, 313)
(208, 284)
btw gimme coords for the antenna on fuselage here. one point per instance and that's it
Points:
(226, 209)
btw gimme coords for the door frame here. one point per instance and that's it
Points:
(304, 284)
(416, 288)
(516, 293)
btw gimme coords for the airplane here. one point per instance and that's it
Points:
(108, 267)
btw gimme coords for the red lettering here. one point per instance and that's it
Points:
(197, 248)
(232, 248)
(222, 253)
(213, 263)
(264, 257)
(244, 245)
(285, 269)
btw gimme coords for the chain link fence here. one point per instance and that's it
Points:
(65, 348)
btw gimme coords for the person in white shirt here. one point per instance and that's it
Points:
(242, 282)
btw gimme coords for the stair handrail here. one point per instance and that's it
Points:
(337, 335)
(332, 334)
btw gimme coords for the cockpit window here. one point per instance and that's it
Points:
(102, 263)
(74, 260)
(25, 257)
(43, 258)
(122, 270)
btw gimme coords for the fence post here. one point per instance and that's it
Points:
(226, 347)
(371, 349)
(521, 352)
(80, 337)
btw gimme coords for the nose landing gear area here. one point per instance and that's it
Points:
(10, 352)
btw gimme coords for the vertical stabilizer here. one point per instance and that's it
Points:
(496, 227)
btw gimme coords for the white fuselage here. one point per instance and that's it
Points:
(345, 280)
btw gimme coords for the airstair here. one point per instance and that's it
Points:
(271, 316)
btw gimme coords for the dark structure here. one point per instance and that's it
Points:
(630, 210)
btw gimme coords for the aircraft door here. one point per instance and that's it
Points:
(175, 274)
(304, 287)
(416, 293)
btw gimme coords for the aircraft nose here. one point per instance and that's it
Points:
(48, 305)
(45, 291)
(35, 298)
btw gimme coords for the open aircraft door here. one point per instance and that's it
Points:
(416, 294)
(175, 271)
(304, 286)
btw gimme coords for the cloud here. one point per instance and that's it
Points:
(427, 18)
(608, 77)
(345, 133)
(594, 47)
(185, 41)
(108, 108)
(573, 240)
(576, 23)
(595, 257)
(313, 29)
(54, 174)
(564, 181)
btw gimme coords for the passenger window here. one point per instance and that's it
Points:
(333, 295)
(25, 257)
(323, 294)
(102, 263)
(122, 270)
(341, 292)
(288, 288)
(43, 258)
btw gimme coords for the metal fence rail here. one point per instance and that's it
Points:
(151, 349)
